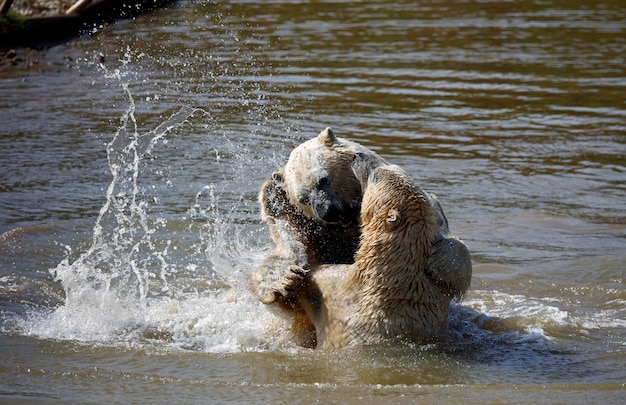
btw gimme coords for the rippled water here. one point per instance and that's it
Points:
(128, 213)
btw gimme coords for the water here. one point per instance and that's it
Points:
(128, 213)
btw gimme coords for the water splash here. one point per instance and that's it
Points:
(122, 234)
(130, 288)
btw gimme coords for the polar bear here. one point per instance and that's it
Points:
(312, 206)
(406, 271)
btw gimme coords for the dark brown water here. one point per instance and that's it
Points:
(128, 214)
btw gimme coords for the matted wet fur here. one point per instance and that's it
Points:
(312, 206)
(406, 272)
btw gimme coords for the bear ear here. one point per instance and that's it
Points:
(393, 216)
(327, 137)
(375, 176)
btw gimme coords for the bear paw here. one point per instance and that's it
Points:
(273, 283)
(293, 279)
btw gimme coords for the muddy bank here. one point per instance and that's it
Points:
(39, 24)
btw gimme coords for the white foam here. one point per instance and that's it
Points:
(228, 320)
(532, 314)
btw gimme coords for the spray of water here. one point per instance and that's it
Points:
(124, 289)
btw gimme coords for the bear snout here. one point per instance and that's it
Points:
(324, 206)
(333, 210)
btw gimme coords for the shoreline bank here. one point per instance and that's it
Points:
(40, 24)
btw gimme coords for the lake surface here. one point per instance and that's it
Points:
(131, 161)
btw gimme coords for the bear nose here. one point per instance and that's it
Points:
(331, 214)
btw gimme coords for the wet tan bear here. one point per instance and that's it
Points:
(312, 206)
(406, 272)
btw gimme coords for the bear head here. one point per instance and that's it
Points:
(370, 169)
(319, 181)
(388, 193)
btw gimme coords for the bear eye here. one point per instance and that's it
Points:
(323, 182)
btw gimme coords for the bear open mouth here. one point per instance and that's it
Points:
(345, 224)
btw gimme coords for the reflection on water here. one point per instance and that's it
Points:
(128, 213)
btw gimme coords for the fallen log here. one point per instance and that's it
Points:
(78, 7)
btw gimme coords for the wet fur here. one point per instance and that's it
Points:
(312, 207)
(389, 292)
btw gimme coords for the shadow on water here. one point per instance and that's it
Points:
(477, 350)
(509, 346)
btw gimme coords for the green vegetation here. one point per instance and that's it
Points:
(12, 23)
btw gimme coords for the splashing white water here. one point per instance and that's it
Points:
(128, 287)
